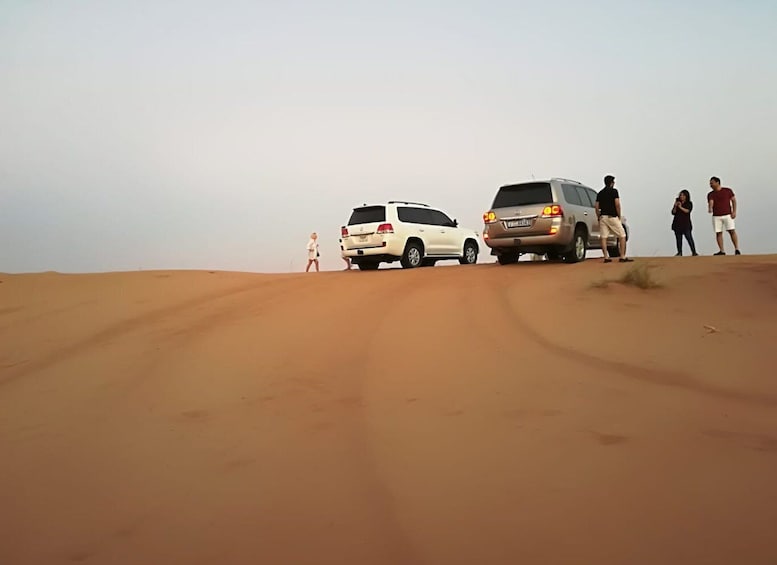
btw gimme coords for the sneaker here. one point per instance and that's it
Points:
(695, 254)
(737, 252)
(678, 254)
(720, 253)
(607, 260)
(625, 260)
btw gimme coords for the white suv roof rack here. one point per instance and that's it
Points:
(406, 202)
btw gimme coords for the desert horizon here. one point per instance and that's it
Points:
(334, 264)
(533, 413)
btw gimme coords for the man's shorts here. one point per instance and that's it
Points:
(723, 223)
(611, 224)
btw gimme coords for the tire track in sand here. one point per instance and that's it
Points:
(127, 326)
(661, 377)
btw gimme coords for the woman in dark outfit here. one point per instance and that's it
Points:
(681, 224)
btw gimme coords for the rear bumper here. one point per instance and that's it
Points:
(356, 259)
(391, 249)
(531, 243)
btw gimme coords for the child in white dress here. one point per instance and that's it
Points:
(313, 253)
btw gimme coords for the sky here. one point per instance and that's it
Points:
(218, 135)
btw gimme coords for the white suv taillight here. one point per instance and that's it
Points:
(343, 231)
(385, 228)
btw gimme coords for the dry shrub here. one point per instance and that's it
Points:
(641, 276)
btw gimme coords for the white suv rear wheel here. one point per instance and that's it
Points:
(470, 256)
(413, 256)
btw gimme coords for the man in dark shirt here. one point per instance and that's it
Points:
(608, 211)
(722, 204)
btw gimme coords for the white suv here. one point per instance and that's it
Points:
(412, 233)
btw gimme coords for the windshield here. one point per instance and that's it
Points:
(523, 195)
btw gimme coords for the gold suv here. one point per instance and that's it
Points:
(553, 217)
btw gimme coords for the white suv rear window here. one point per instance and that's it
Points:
(368, 215)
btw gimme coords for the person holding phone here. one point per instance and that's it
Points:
(681, 223)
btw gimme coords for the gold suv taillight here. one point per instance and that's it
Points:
(489, 217)
(553, 211)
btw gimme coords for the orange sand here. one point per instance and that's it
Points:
(462, 415)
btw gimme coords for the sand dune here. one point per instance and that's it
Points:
(457, 415)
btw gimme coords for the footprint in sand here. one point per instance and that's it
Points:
(195, 415)
(608, 439)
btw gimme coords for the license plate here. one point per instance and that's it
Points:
(523, 223)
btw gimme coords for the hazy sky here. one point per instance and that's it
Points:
(192, 134)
